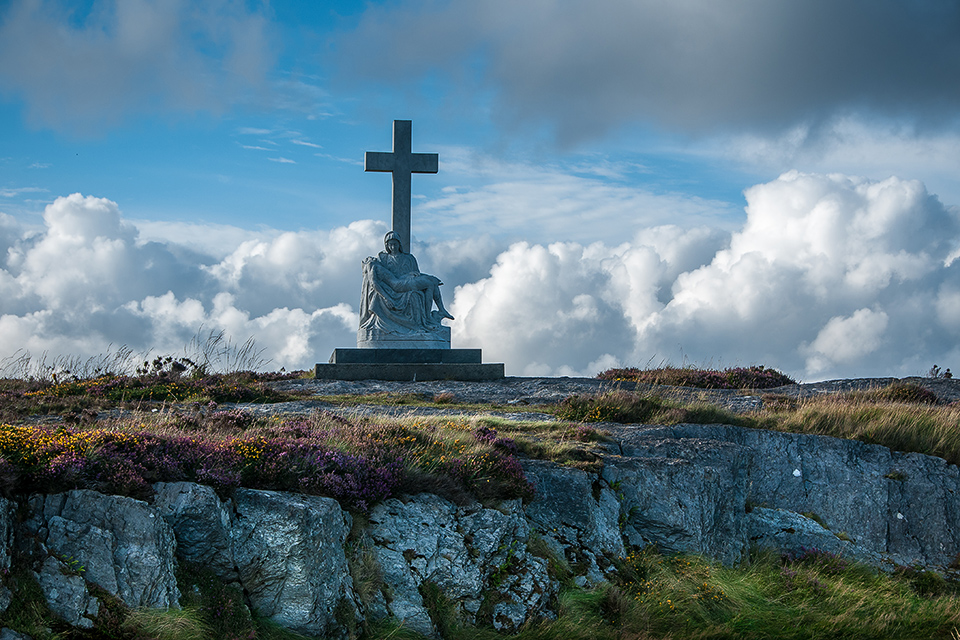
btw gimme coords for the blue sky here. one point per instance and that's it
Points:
(619, 182)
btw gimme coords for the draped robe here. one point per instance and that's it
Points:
(394, 298)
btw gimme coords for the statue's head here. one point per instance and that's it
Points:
(391, 242)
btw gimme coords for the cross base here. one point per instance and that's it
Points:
(408, 365)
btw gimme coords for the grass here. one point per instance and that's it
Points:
(902, 426)
(902, 417)
(755, 377)
(811, 596)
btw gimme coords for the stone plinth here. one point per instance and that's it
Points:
(408, 364)
(375, 339)
(406, 356)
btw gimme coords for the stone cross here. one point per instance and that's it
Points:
(401, 163)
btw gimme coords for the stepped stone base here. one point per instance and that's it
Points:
(408, 365)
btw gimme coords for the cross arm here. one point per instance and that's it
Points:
(378, 161)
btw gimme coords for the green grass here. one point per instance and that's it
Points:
(805, 598)
(901, 417)
(901, 426)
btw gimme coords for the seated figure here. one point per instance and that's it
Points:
(397, 300)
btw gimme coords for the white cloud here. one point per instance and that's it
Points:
(852, 144)
(14, 192)
(824, 271)
(829, 276)
(282, 160)
(844, 340)
(548, 203)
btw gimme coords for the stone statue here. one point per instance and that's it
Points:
(396, 302)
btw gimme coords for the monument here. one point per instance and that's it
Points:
(401, 334)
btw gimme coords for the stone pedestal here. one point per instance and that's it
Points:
(376, 339)
(408, 364)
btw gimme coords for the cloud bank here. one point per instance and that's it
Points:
(829, 276)
(693, 65)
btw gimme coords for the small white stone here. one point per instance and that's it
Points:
(899, 516)
(796, 473)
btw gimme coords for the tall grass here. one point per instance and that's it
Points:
(902, 426)
(208, 352)
(900, 417)
(807, 597)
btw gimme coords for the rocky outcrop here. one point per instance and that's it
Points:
(118, 544)
(710, 489)
(895, 508)
(578, 517)
(285, 550)
(474, 556)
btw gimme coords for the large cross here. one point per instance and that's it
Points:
(401, 163)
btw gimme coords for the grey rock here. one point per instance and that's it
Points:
(288, 550)
(6, 533)
(6, 598)
(7, 633)
(681, 494)
(577, 515)
(790, 532)
(122, 544)
(67, 594)
(464, 551)
(894, 507)
(6, 547)
(201, 523)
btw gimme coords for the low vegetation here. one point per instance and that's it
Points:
(120, 431)
(358, 462)
(755, 377)
(903, 417)
(811, 595)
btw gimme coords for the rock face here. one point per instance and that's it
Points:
(473, 555)
(116, 543)
(285, 550)
(577, 516)
(895, 508)
(710, 489)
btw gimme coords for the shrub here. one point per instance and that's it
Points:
(355, 462)
(755, 377)
(616, 406)
(906, 392)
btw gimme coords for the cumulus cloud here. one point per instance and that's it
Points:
(829, 276)
(695, 65)
(85, 69)
(87, 282)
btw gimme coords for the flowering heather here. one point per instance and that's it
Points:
(756, 377)
(219, 388)
(357, 463)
